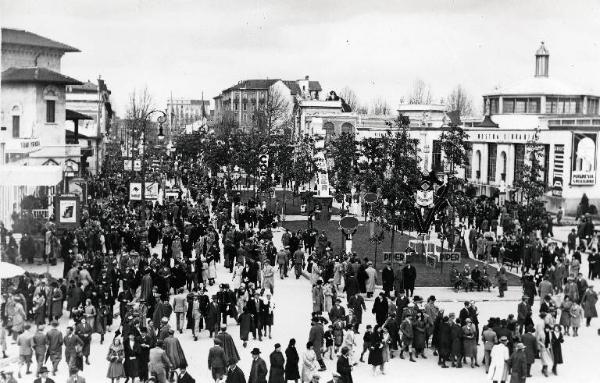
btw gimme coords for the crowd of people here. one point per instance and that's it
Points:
(115, 279)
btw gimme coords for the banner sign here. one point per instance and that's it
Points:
(322, 176)
(450, 257)
(151, 191)
(137, 165)
(398, 257)
(67, 210)
(127, 165)
(135, 191)
(263, 167)
(583, 159)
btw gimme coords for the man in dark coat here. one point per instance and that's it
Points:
(343, 366)
(356, 303)
(277, 362)
(315, 336)
(380, 308)
(531, 347)
(146, 342)
(55, 343)
(217, 361)
(518, 364)
(258, 371)
(445, 341)
(185, 377)
(409, 276)
(71, 342)
(235, 374)
(387, 277)
(84, 331)
(228, 346)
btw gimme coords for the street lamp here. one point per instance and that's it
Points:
(161, 120)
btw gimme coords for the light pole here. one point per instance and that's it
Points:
(161, 120)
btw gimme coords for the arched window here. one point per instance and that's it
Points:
(503, 166)
(50, 97)
(347, 128)
(16, 121)
(329, 131)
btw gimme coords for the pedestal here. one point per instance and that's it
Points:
(324, 202)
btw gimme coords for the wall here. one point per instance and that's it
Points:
(19, 56)
(24, 98)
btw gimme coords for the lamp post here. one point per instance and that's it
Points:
(161, 120)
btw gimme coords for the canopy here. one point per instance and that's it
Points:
(8, 270)
(30, 175)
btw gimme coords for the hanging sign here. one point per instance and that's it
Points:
(135, 191)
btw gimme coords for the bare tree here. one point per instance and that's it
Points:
(420, 93)
(459, 100)
(275, 113)
(350, 97)
(380, 106)
(140, 103)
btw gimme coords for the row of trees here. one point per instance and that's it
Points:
(419, 93)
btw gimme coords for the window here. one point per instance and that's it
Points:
(50, 111)
(519, 159)
(436, 156)
(508, 105)
(592, 106)
(468, 168)
(16, 126)
(494, 105)
(521, 105)
(245, 106)
(563, 105)
(492, 153)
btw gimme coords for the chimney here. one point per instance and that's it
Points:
(542, 61)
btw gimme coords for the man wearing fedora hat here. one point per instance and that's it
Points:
(43, 378)
(258, 371)
(518, 364)
(498, 371)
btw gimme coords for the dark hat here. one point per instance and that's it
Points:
(43, 369)
(171, 332)
(503, 339)
(255, 351)
(54, 322)
(277, 345)
(431, 298)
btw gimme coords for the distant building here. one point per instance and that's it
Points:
(242, 100)
(186, 111)
(91, 100)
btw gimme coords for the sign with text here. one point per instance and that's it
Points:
(398, 257)
(151, 191)
(450, 257)
(67, 210)
(135, 191)
(583, 159)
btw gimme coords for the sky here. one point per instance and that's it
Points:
(377, 48)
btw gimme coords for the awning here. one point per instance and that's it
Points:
(30, 175)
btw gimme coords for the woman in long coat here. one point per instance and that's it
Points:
(376, 349)
(565, 314)
(247, 325)
(419, 333)
(556, 340)
(132, 355)
(115, 357)
(351, 284)
(291, 362)
(588, 303)
(309, 363)
(56, 307)
(277, 362)
(469, 342)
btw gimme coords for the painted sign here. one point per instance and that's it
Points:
(135, 191)
(583, 159)
(450, 257)
(151, 191)
(66, 210)
(137, 165)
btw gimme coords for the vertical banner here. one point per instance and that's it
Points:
(135, 191)
(67, 210)
(583, 159)
(137, 165)
(151, 192)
